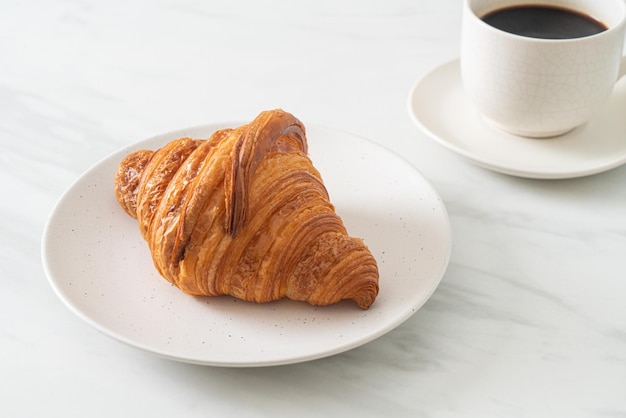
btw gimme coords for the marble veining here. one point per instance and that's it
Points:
(528, 321)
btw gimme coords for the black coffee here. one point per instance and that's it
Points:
(544, 22)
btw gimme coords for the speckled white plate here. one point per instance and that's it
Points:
(439, 106)
(99, 265)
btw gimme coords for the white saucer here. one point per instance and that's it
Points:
(439, 106)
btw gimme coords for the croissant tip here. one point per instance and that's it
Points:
(365, 301)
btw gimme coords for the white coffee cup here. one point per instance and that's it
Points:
(541, 87)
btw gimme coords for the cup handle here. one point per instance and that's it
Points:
(622, 68)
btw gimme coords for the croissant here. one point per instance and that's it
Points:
(244, 213)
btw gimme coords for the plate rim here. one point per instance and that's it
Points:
(410, 311)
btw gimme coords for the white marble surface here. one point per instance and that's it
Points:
(529, 320)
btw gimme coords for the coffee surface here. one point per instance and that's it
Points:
(544, 22)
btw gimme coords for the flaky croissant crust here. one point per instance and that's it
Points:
(245, 213)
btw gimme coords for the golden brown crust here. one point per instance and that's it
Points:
(127, 177)
(245, 213)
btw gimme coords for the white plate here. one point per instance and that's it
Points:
(438, 104)
(101, 268)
